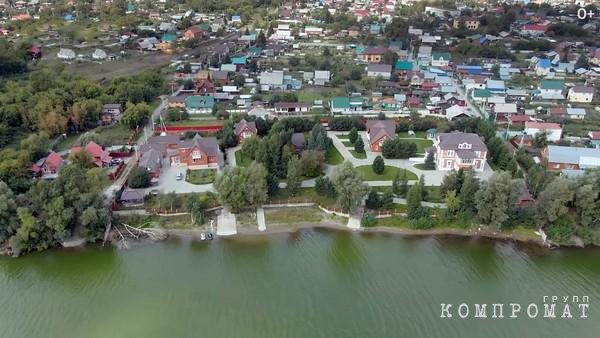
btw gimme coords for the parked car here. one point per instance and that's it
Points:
(116, 161)
(179, 176)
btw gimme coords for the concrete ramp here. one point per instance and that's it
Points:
(226, 223)
(260, 219)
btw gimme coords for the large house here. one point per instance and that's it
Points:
(551, 89)
(376, 70)
(48, 166)
(197, 153)
(374, 54)
(244, 130)
(378, 131)
(553, 130)
(347, 105)
(460, 150)
(559, 158)
(100, 157)
(291, 108)
(581, 94)
(199, 104)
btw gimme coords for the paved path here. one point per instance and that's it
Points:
(260, 219)
(231, 155)
(425, 204)
(353, 223)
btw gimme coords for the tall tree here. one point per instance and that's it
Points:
(496, 198)
(353, 135)
(553, 200)
(378, 165)
(294, 176)
(349, 186)
(359, 145)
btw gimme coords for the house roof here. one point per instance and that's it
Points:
(544, 63)
(207, 145)
(98, 154)
(481, 93)
(583, 89)
(587, 157)
(285, 105)
(594, 135)
(505, 108)
(440, 56)
(378, 129)
(451, 141)
(150, 159)
(375, 51)
(298, 140)
(243, 124)
(199, 101)
(543, 125)
(403, 65)
(380, 68)
(131, 195)
(552, 84)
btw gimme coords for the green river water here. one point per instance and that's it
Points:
(313, 283)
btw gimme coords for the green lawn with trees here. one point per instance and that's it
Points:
(333, 156)
(200, 176)
(388, 174)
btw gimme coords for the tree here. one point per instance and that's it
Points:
(294, 176)
(139, 178)
(326, 52)
(293, 61)
(227, 135)
(187, 68)
(241, 188)
(82, 159)
(324, 187)
(353, 135)
(196, 205)
(400, 183)
(497, 198)
(466, 195)
(387, 199)
(250, 147)
(349, 186)
(261, 40)
(452, 202)
(413, 201)
(359, 145)
(8, 213)
(582, 62)
(553, 200)
(587, 199)
(378, 165)
(540, 140)
(239, 80)
(312, 162)
(368, 220)
(135, 115)
(390, 57)
(421, 184)
(255, 185)
(318, 139)
(429, 161)
(398, 148)
(373, 200)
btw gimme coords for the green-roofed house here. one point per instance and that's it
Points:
(440, 59)
(404, 65)
(551, 90)
(238, 60)
(481, 95)
(199, 104)
(347, 105)
(169, 38)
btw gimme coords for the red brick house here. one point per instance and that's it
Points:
(48, 165)
(244, 130)
(199, 153)
(378, 131)
(194, 32)
(460, 150)
(100, 157)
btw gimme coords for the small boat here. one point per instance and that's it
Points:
(202, 236)
(209, 236)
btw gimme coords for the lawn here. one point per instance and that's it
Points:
(242, 160)
(191, 122)
(388, 174)
(293, 215)
(311, 94)
(66, 142)
(303, 195)
(332, 156)
(394, 221)
(421, 144)
(342, 136)
(418, 134)
(421, 166)
(117, 134)
(200, 176)
(348, 144)
(359, 156)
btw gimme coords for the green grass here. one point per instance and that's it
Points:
(388, 174)
(357, 155)
(332, 156)
(348, 144)
(196, 122)
(342, 136)
(303, 195)
(418, 134)
(117, 134)
(421, 144)
(394, 221)
(66, 142)
(200, 176)
(293, 215)
(242, 160)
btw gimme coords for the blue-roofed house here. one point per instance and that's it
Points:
(505, 74)
(469, 69)
(238, 60)
(559, 157)
(236, 19)
(254, 52)
(551, 90)
(199, 104)
(542, 68)
(376, 28)
(131, 8)
(495, 86)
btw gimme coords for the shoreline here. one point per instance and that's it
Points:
(282, 228)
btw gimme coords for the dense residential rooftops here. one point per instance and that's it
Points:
(542, 125)
(584, 157)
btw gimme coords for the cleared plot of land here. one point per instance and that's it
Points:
(388, 174)
(201, 176)
(418, 134)
(66, 142)
(332, 156)
(293, 215)
(422, 144)
(303, 195)
(114, 135)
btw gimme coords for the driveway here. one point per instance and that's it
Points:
(167, 182)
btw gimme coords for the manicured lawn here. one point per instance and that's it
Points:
(200, 176)
(418, 134)
(421, 144)
(242, 160)
(332, 156)
(388, 174)
(293, 215)
(303, 195)
(422, 166)
(342, 136)
(360, 156)
(191, 122)
(348, 144)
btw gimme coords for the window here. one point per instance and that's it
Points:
(464, 146)
(450, 153)
(466, 161)
(196, 155)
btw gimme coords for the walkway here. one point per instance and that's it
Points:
(398, 200)
(260, 219)
(231, 155)
(226, 223)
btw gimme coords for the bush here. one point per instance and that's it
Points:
(324, 187)
(346, 123)
(139, 178)
(368, 220)
(397, 148)
(373, 200)
(359, 145)
(312, 162)
(353, 135)
(422, 223)
(561, 230)
(378, 165)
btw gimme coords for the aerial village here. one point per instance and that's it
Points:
(344, 105)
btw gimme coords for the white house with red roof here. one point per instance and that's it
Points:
(48, 166)
(99, 156)
(553, 130)
(378, 131)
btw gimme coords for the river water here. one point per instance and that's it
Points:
(313, 283)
